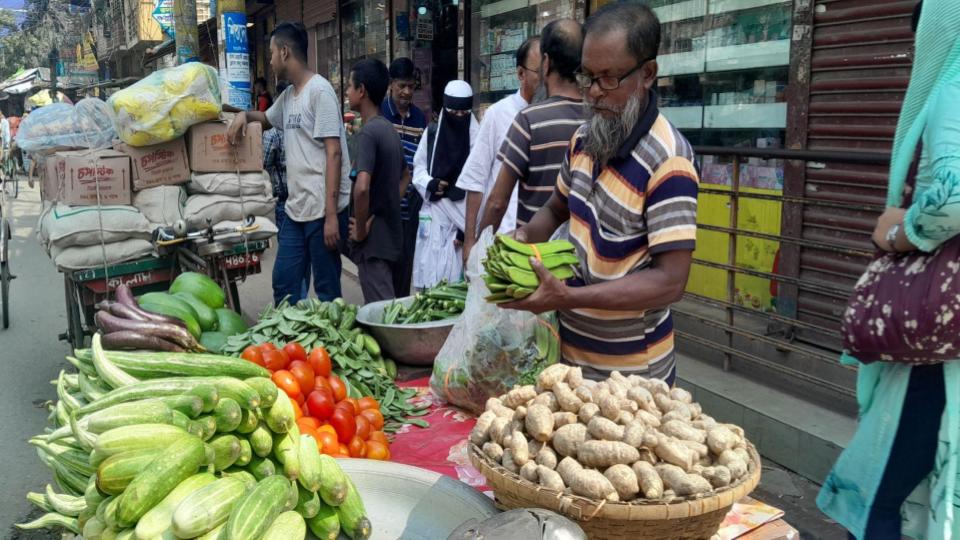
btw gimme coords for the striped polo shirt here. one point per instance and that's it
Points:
(535, 146)
(643, 202)
(410, 128)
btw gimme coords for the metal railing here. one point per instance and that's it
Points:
(709, 319)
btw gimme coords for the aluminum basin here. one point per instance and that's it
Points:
(412, 344)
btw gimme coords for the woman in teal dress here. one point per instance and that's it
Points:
(898, 474)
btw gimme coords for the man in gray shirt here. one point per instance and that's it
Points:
(318, 166)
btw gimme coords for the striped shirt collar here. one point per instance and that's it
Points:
(641, 128)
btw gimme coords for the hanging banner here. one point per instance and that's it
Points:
(163, 14)
(234, 60)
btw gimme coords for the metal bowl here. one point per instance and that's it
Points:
(413, 344)
(410, 503)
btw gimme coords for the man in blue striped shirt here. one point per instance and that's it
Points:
(410, 122)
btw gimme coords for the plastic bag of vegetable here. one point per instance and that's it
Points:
(490, 349)
(166, 103)
(59, 126)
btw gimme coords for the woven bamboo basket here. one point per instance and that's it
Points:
(679, 519)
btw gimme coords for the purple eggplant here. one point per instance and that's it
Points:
(129, 339)
(125, 297)
(109, 323)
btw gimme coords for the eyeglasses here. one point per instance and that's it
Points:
(606, 82)
(537, 71)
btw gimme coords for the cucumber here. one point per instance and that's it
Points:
(230, 323)
(353, 515)
(206, 427)
(244, 476)
(261, 467)
(309, 456)
(308, 502)
(183, 421)
(94, 528)
(200, 286)
(137, 437)
(265, 387)
(256, 511)
(190, 405)
(326, 524)
(209, 396)
(152, 365)
(92, 495)
(226, 450)
(107, 370)
(110, 513)
(117, 471)
(333, 481)
(246, 454)
(125, 414)
(281, 418)
(157, 520)
(206, 316)
(164, 304)
(215, 534)
(177, 463)
(261, 440)
(213, 341)
(248, 422)
(155, 388)
(228, 415)
(229, 387)
(286, 448)
(207, 508)
(287, 526)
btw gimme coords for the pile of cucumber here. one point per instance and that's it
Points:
(510, 275)
(160, 445)
(190, 316)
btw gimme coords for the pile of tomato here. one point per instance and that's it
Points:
(342, 426)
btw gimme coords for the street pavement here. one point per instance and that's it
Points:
(31, 355)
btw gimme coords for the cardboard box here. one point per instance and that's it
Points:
(85, 170)
(210, 151)
(162, 164)
(51, 186)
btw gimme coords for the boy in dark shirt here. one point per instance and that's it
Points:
(375, 228)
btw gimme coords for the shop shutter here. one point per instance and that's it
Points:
(289, 10)
(317, 12)
(859, 68)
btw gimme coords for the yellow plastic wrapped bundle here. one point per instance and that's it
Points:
(166, 103)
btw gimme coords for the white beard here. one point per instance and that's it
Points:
(606, 135)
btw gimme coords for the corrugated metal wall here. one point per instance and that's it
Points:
(859, 66)
(289, 11)
(318, 12)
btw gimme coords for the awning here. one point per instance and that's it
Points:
(27, 80)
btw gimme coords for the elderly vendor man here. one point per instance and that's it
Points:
(628, 188)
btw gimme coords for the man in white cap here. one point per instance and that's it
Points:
(436, 168)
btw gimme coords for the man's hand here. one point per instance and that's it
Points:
(356, 233)
(238, 128)
(331, 232)
(468, 242)
(549, 296)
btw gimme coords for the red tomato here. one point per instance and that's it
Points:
(267, 347)
(273, 360)
(357, 447)
(343, 451)
(322, 383)
(253, 354)
(375, 417)
(348, 405)
(345, 424)
(363, 427)
(286, 382)
(380, 437)
(308, 422)
(320, 404)
(304, 375)
(320, 361)
(295, 352)
(339, 389)
(329, 441)
(368, 403)
(377, 450)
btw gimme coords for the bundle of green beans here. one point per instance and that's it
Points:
(434, 304)
(510, 275)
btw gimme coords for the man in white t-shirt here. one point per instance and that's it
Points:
(318, 168)
(482, 167)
